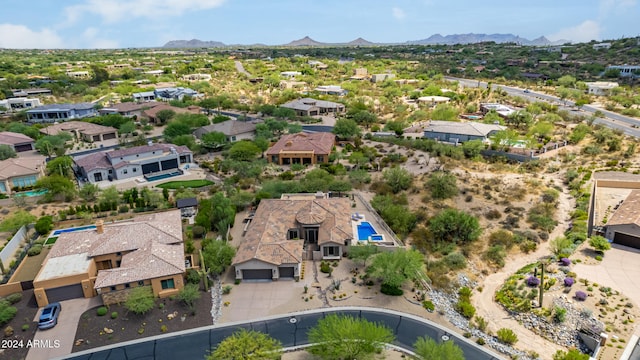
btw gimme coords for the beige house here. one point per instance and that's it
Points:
(16, 173)
(302, 148)
(285, 231)
(624, 226)
(601, 88)
(18, 142)
(110, 259)
(84, 131)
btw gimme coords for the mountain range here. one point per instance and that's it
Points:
(435, 39)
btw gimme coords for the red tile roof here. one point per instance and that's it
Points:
(319, 143)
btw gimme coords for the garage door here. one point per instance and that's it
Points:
(64, 293)
(286, 272)
(627, 240)
(109, 136)
(256, 274)
(25, 147)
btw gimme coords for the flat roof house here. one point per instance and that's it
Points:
(625, 70)
(111, 259)
(235, 130)
(147, 160)
(18, 142)
(302, 148)
(624, 225)
(458, 132)
(313, 107)
(20, 103)
(601, 88)
(82, 130)
(129, 109)
(285, 231)
(16, 173)
(60, 112)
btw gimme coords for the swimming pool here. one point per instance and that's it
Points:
(377, 237)
(365, 230)
(32, 193)
(79, 228)
(163, 176)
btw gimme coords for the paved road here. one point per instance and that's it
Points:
(290, 329)
(628, 125)
(241, 69)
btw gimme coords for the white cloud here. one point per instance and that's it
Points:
(113, 11)
(398, 13)
(91, 40)
(21, 37)
(586, 31)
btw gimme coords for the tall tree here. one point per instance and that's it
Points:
(455, 226)
(249, 345)
(164, 116)
(397, 178)
(442, 185)
(362, 252)
(346, 129)
(348, 338)
(62, 165)
(217, 255)
(7, 152)
(428, 349)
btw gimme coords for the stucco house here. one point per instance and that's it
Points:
(129, 109)
(17, 141)
(302, 148)
(624, 225)
(313, 107)
(235, 130)
(61, 112)
(601, 88)
(19, 104)
(285, 231)
(458, 132)
(16, 173)
(147, 160)
(84, 131)
(113, 258)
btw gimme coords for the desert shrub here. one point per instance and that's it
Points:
(34, 250)
(427, 304)
(501, 237)
(114, 315)
(227, 289)
(102, 311)
(533, 281)
(325, 267)
(568, 281)
(581, 296)
(560, 314)
(565, 262)
(455, 261)
(507, 336)
(527, 246)
(493, 214)
(7, 312)
(496, 255)
(14, 298)
(197, 231)
(466, 309)
(25, 327)
(390, 290)
(123, 209)
(480, 341)
(193, 276)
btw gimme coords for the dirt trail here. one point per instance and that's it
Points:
(495, 314)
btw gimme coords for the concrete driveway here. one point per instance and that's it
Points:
(58, 341)
(619, 269)
(251, 300)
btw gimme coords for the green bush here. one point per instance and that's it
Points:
(466, 309)
(455, 261)
(560, 314)
(193, 276)
(507, 336)
(480, 341)
(7, 312)
(325, 267)
(25, 327)
(390, 290)
(427, 304)
(34, 250)
(102, 311)
(123, 209)
(114, 315)
(14, 298)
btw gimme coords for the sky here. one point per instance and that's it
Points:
(151, 23)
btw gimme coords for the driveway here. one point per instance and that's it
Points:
(619, 270)
(252, 300)
(58, 341)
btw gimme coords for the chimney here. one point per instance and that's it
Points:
(99, 226)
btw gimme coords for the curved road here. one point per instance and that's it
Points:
(626, 124)
(290, 329)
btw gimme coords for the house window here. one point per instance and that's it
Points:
(293, 234)
(320, 158)
(118, 253)
(167, 284)
(137, 155)
(110, 171)
(134, 169)
(331, 251)
(127, 285)
(233, 138)
(113, 288)
(141, 283)
(124, 171)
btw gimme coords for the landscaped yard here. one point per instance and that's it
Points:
(118, 324)
(172, 185)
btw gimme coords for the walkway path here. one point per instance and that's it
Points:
(496, 315)
(241, 69)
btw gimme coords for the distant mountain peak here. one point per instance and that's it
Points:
(305, 41)
(360, 42)
(471, 38)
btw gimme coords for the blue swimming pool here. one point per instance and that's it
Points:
(365, 229)
(32, 193)
(163, 176)
(79, 228)
(377, 237)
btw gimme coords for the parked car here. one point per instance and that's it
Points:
(526, 91)
(49, 316)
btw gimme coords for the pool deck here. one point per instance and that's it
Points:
(358, 218)
(192, 173)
